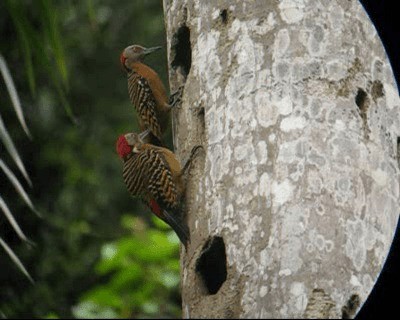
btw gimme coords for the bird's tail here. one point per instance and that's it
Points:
(179, 227)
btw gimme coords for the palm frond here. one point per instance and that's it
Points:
(18, 187)
(46, 63)
(44, 45)
(23, 29)
(9, 144)
(15, 259)
(11, 219)
(50, 26)
(13, 94)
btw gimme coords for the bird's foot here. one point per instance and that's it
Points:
(176, 98)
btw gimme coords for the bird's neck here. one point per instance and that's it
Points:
(136, 66)
(142, 69)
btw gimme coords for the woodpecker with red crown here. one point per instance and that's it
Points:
(155, 175)
(147, 92)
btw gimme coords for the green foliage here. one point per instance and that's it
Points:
(64, 58)
(41, 45)
(142, 269)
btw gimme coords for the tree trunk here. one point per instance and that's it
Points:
(293, 204)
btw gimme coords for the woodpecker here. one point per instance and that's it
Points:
(147, 92)
(155, 175)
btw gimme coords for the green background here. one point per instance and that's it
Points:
(97, 252)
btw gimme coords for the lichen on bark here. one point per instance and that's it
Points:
(296, 107)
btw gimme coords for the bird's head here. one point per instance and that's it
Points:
(134, 53)
(130, 143)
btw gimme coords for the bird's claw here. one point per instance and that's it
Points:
(176, 98)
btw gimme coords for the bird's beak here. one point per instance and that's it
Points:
(144, 134)
(150, 50)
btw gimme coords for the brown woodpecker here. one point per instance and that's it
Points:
(147, 92)
(154, 174)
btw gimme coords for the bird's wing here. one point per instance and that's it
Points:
(133, 175)
(170, 159)
(143, 99)
(161, 184)
(174, 166)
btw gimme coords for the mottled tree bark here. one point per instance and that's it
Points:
(293, 203)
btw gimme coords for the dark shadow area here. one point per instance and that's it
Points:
(211, 265)
(182, 50)
(224, 16)
(384, 296)
(361, 100)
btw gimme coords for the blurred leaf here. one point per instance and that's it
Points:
(173, 265)
(160, 223)
(46, 63)
(170, 279)
(9, 144)
(157, 249)
(51, 315)
(11, 219)
(141, 266)
(91, 14)
(128, 221)
(120, 257)
(173, 238)
(104, 296)
(144, 293)
(13, 94)
(19, 19)
(150, 307)
(121, 260)
(33, 44)
(50, 25)
(15, 259)
(18, 187)
(108, 251)
(127, 277)
(91, 310)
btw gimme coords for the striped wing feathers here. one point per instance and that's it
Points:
(147, 174)
(133, 175)
(161, 184)
(143, 99)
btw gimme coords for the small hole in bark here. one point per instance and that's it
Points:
(201, 115)
(224, 16)
(211, 265)
(350, 308)
(361, 99)
(362, 102)
(201, 112)
(182, 50)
